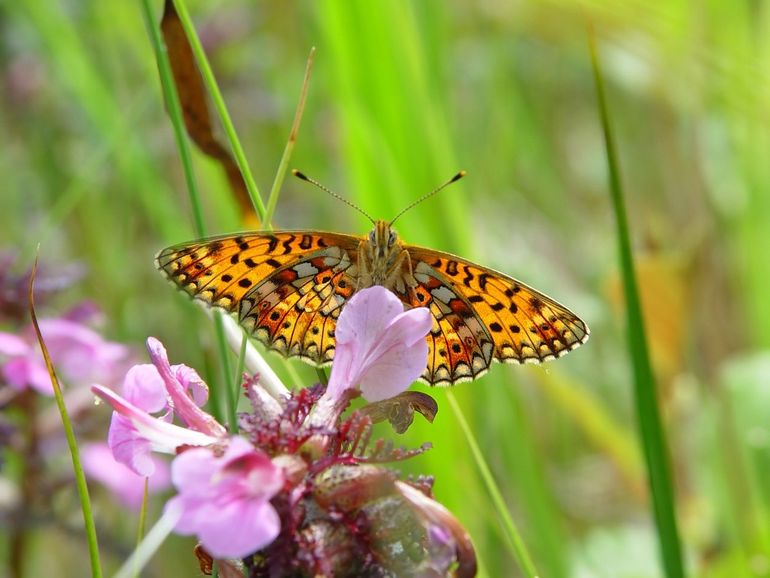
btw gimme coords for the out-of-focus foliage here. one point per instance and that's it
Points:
(403, 95)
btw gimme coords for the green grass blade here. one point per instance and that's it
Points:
(72, 444)
(648, 415)
(283, 165)
(519, 549)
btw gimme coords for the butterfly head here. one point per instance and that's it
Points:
(382, 240)
(380, 257)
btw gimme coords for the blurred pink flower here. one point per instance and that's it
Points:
(99, 464)
(80, 355)
(23, 369)
(225, 500)
(380, 347)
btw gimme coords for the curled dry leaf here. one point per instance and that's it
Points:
(195, 108)
(399, 410)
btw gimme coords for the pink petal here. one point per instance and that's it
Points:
(395, 373)
(239, 529)
(191, 471)
(23, 372)
(162, 436)
(192, 382)
(128, 447)
(405, 330)
(144, 388)
(127, 486)
(369, 313)
(183, 405)
(379, 346)
(12, 345)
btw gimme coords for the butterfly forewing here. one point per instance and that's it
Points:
(287, 287)
(524, 324)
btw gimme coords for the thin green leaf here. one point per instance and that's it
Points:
(283, 165)
(652, 435)
(519, 549)
(72, 444)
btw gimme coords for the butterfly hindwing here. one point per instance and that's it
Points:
(297, 315)
(459, 346)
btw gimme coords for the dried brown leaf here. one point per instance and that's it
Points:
(195, 107)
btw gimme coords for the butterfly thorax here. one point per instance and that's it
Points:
(382, 258)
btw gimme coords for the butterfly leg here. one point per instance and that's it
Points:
(399, 278)
(364, 277)
(410, 281)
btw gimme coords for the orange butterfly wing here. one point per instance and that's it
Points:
(481, 315)
(287, 287)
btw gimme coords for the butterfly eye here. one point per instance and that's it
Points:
(391, 238)
(371, 237)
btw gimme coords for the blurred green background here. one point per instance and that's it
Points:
(404, 94)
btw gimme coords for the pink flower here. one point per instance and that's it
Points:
(225, 500)
(128, 487)
(134, 433)
(380, 347)
(23, 369)
(149, 386)
(79, 354)
(161, 387)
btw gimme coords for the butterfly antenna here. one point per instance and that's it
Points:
(454, 179)
(304, 177)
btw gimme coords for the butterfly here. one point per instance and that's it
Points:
(288, 289)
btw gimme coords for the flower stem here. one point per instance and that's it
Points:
(142, 519)
(152, 541)
(511, 533)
